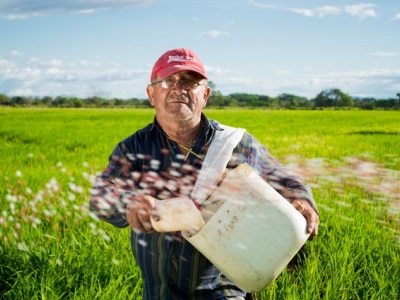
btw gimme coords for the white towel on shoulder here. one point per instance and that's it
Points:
(214, 164)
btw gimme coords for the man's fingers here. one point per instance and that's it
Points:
(138, 213)
(148, 202)
(312, 223)
(132, 218)
(144, 219)
(299, 206)
(155, 215)
(311, 216)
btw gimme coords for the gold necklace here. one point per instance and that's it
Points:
(189, 150)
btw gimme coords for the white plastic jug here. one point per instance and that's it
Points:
(253, 232)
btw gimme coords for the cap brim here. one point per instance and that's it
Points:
(178, 68)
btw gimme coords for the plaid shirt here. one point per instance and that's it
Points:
(149, 163)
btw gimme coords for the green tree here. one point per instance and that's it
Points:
(216, 98)
(292, 101)
(61, 101)
(47, 100)
(95, 101)
(76, 102)
(5, 100)
(21, 100)
(333, 98)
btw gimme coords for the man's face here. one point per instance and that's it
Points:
(178, 104)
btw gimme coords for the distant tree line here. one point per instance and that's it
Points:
(330, 98)
(68, 101)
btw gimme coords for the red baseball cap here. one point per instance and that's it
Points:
(176, 60)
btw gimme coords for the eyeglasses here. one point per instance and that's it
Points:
(186, 84)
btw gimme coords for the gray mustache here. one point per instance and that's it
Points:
(182, 97)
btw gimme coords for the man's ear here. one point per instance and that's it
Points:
(150, 94)
(207, 93)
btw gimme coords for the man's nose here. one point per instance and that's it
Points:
(179, 86)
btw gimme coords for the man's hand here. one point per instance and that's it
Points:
(305, 208)
(138, 213)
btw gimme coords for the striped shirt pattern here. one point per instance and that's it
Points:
(149, 163)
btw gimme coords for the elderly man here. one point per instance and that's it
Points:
(162, 161)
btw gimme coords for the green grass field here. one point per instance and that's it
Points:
(51, 248)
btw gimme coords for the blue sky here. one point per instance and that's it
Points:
(107, 47)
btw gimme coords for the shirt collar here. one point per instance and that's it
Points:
(208, 124)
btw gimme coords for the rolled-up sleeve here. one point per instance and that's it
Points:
(108, 191)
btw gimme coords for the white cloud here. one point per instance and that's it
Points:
(213, 71)
(87, 63)
(37, 77)
(361, 10)
(5, 64)
(54, 71)
(326, 11)
(23, 92)
(317, 12)
(283, 72)
(396, 87)
(302, 11)
(15, 53)
(48, 63)
(385, 54)
(214, 34)
(379, 83)
(258, 4)
(85, 11)
(396, 17)
(28, 73)
(362, 82)
(24, 9)
(13, 17)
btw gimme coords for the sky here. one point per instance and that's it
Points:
(107, 48)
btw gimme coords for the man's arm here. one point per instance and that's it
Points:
(106, 198)
(280, 177)
(117, 196)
